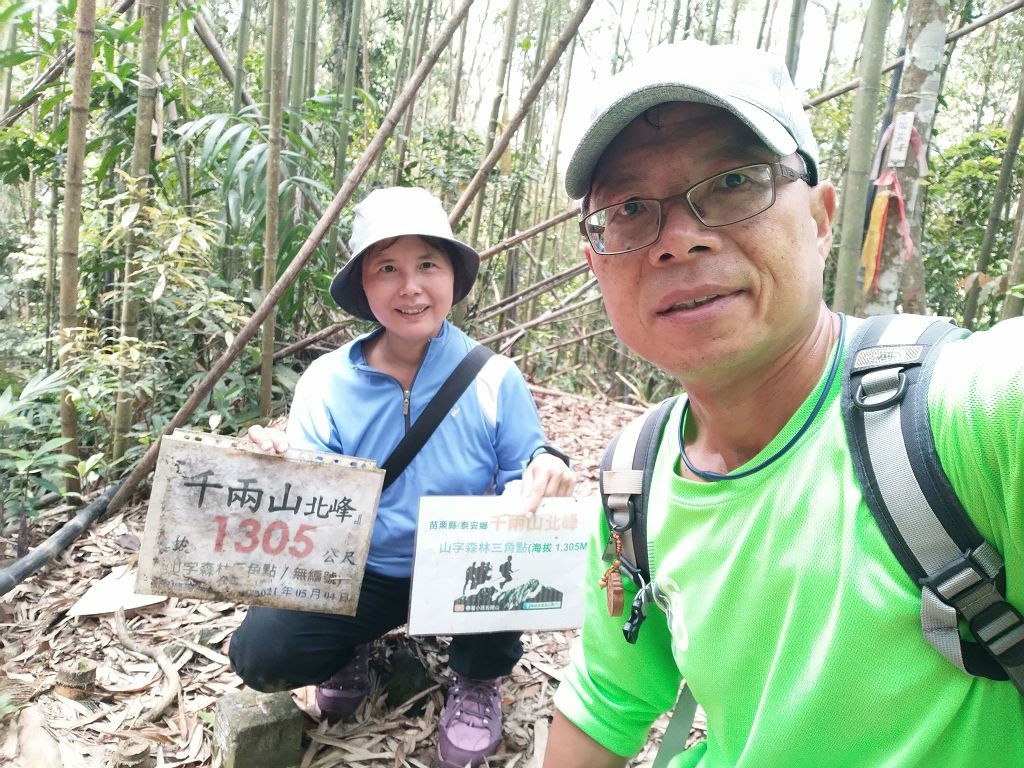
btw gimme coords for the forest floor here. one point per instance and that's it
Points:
(66, 615)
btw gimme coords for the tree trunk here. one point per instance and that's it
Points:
(209, 39)
(716, 7)
(540, 45)
(765, 12)
(33, 180)
(296, 88)
(771, 25)
(347, 106)
(900, 278)
(311, 48)
(734, 9)
(275, 143)
(673, 24)
(511, 16)
(152, 13)
(419, 28)
(860, 152)
(995, 212)
(51, 251)
(242, 49)
(77, 125)
(456, 81)
(11, 35)
(796, 31)
(982, 104)
(1013, 304)
(297, 68)
(551, 184)
(403, 57)
(477, 182)
(831, 47)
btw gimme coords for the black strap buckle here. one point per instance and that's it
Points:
(637, 615)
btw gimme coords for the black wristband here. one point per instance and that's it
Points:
(548, 448)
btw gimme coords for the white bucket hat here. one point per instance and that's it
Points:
(396, 212)
(751, 84)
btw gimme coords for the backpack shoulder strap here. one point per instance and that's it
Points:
(625, 483)
(885, 411)
(440, 404)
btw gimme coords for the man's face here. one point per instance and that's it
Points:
(709, 302)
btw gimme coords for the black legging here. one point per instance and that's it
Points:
(276, 649)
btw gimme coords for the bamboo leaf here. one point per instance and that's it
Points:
(233, 157)
(233, 208)
(161, 285)
(113, 79)
(52, 444)
(208, 154)
(14, 10)
(129, 215)
(14, 58)
(252, 155)
(231, 133)
(42, 383)
(189, 130)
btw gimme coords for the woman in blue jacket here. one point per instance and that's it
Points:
(406, 272)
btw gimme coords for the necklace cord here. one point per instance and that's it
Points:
(709, 475)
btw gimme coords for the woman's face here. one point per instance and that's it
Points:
(409, 286)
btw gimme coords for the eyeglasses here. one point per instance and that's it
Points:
(725, 198)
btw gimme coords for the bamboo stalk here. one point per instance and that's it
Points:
(501, 144)
(209, 39)
(526, 234)
(528, 293)
(547, 317)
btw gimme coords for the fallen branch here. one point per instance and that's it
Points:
(21, 569)
(173, 688)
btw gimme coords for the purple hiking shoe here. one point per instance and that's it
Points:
(340, 695)
(470, 726)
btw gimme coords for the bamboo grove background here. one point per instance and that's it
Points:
(176, 180)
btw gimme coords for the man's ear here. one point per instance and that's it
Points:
(823, 211)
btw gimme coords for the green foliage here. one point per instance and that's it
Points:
(28, 470)
(188, 314)
(7, 707)
(962, 184)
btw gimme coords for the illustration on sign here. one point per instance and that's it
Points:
(228, 522)
(483, 566)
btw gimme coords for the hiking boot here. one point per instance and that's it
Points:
(470, 726)
(340, 695)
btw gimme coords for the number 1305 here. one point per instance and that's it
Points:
(248, 536)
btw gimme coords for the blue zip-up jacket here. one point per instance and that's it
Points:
(342, 405)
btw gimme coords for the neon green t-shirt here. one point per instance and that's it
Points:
(786, 611)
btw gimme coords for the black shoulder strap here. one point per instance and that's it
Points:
(438, 406)
(625, 483)
(885, 411)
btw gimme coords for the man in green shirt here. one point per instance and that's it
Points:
(783, 606)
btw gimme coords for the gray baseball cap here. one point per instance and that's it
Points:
(751, 84)
(396, 212)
